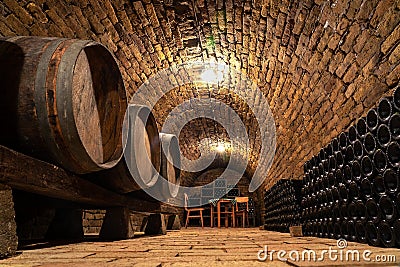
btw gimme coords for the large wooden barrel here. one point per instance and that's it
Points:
(63, 101)
(167, 185)
(141, 163)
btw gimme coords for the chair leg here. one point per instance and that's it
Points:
(201, 218)
(212, 218)
(187, 218)
(243, 221)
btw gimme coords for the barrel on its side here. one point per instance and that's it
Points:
(141, 163)
(63, 101)
(167, 185)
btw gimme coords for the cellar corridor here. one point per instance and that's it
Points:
(201, 247)
(199, 132)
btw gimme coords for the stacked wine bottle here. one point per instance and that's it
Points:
(282, 205)
(351, 189)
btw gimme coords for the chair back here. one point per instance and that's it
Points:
(242, 200)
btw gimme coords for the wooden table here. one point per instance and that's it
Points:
(225, 212)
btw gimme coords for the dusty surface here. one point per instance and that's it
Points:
(189, 247)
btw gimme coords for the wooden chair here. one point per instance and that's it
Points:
(226, 212)
(189, 210)
(242, 212)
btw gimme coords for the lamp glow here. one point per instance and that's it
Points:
(212, 76)
(220, 148)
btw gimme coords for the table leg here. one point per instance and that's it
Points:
(212, 215)
(219, 214)
(233, 216)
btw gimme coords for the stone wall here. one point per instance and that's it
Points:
(320, 63)
(93, 220)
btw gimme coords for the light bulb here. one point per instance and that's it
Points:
(212, 76)
(220, 148)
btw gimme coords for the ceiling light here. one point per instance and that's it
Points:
(220, 148)
(212, 76)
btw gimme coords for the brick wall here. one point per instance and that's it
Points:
(321, 64)
(93, 220)
(243, 186)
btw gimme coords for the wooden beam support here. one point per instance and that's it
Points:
(156, 225)
(8, 227)
(117, 224)
(173, 222)
(28, 174)
(168, 209)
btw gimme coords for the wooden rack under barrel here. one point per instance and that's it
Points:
(31, 175)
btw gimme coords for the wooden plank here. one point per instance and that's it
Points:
(28, 174)
(168, 209)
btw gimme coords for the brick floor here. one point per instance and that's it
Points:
(191, 247)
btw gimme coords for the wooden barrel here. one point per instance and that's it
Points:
(141, 163)
(64, 101)
(168, 185)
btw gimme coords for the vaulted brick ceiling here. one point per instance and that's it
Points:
(321, 64)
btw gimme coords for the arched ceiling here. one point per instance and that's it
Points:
(320, 64)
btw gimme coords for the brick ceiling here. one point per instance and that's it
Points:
(320, 64)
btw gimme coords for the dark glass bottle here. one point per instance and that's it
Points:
(372, 120)
(373, 211)
(360, 232)
(372, 234)
(387, 234)
(385, 109)
(388, 208)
